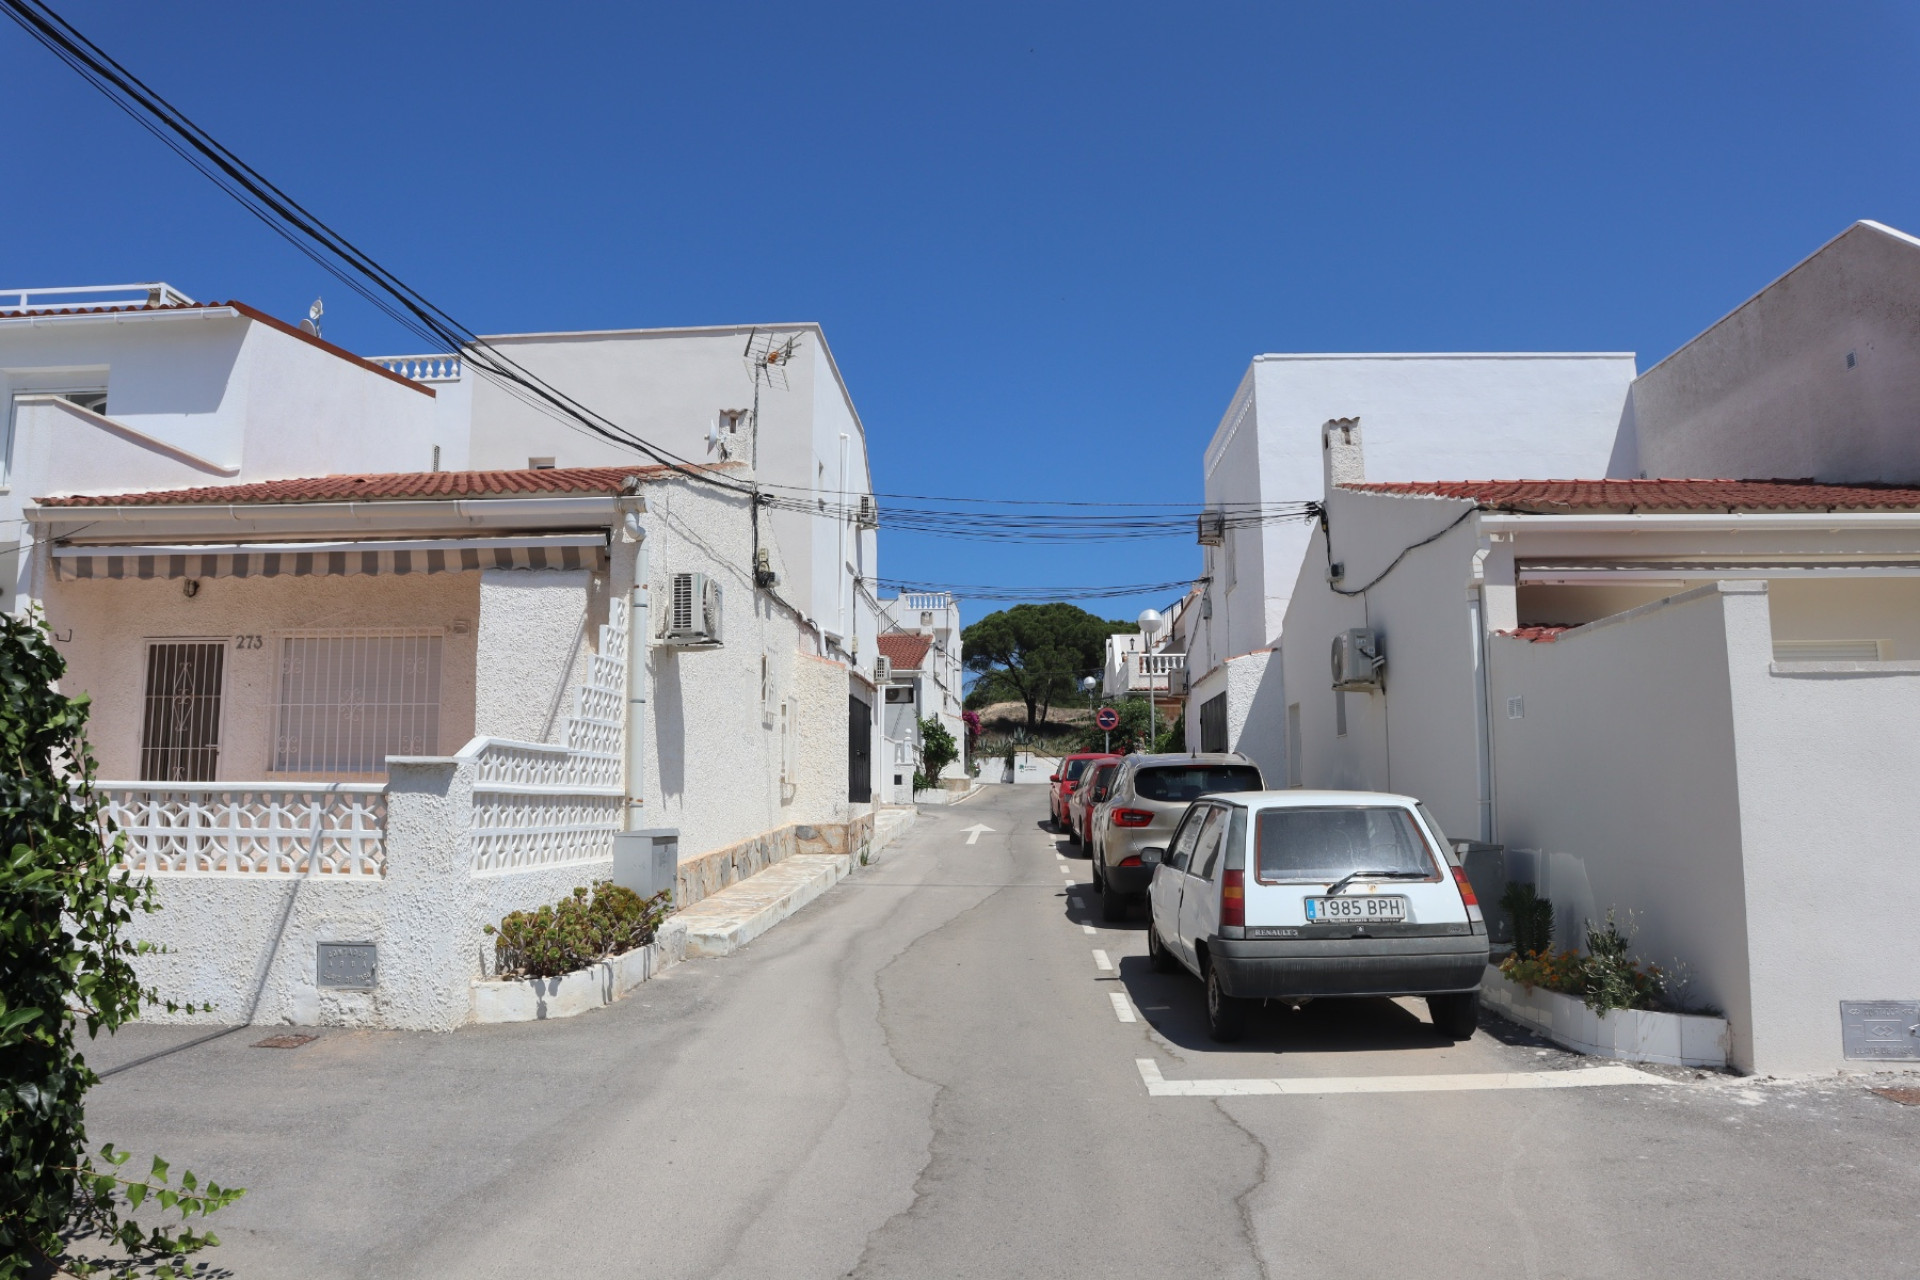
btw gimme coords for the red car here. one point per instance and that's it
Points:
(1090, 791)
(1061, 784)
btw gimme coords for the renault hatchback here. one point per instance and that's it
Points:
(1296, 895)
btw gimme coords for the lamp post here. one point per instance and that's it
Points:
(1151, 625)
(1087, 684)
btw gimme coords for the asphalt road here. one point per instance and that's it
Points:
(927, 1074)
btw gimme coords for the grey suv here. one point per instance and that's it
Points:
(1146, 798)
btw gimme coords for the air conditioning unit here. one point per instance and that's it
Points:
(1358, 664)
(1213, 528)
(693, 612)
(869, 517)
(882, 669)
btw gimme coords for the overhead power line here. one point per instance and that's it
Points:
(977, 591)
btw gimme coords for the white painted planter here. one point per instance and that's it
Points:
(1628, 1035)
(536, 999)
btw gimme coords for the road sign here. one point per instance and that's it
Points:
(1107, 718)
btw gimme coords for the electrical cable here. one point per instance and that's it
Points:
(1327, 541)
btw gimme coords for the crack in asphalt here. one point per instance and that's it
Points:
(1243, 1201)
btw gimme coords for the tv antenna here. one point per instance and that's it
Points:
(767, 356)
(312, 323)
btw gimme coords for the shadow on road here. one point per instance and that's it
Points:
(1175, 1004)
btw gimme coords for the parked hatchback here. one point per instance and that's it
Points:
(1093, 788)
(1146, 799)
(1060, 785)
(1296, 895)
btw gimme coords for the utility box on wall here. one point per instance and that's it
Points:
(646, 862)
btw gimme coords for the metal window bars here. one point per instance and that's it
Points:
(346, 700)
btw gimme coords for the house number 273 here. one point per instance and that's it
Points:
(246, 642)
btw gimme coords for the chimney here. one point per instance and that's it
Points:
(1344, 460)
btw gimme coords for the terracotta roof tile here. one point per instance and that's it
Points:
(905, 650)
(1554, 497)
(1542, 633)
(392, 486)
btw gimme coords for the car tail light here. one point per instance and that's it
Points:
(1132, 817)
(1467, 896)
(1233, 897)
(1129, 862)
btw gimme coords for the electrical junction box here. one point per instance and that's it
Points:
(646, 862)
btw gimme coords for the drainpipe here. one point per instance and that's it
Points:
(637, 633)
(1482, 719)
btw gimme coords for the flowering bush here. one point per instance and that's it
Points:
(1605, 978)
(577, 931)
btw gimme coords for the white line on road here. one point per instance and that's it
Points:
(974, 831)
(1586, 1077)
(1087, 928)
(1123, 1011)
(1100, 960)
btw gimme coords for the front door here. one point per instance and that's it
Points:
(180, 724)
(859, 751)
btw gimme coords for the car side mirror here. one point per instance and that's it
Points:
(1152, 857)
(1053, 777)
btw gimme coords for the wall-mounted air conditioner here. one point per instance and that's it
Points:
(1358, 664)
(1213, 528)
(882, 669)
(693, 612)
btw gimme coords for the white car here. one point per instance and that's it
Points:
(1296, 895)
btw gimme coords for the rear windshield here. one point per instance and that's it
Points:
(1190, 782)
(1100, 774)
(1325, 844)
(1077, 767)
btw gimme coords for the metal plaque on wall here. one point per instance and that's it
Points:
(1880, 1028)
(348, 965)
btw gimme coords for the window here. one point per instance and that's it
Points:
(348, 700)
(1190, 782)
(1326, 844)
(1827, 650)
(540, 464)
(1296, 770)
(1187, 836)
(1207, 849)
(1074, 769)
(1213, 723)
(91, 401)
(180, 723)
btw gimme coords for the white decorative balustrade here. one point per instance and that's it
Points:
(151, 293)
(539, 805)
(248, 828)
(1157, 672)
(437, 368)
(928, 600)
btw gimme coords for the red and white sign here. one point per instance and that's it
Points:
(1107, 718)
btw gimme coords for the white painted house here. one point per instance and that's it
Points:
(922, 680)
(346, 698)
(1688, 699)
(1510, 413)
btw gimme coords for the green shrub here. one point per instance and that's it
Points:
(1605, 978)
(937, 748)
(66, 906)
(577, 931)
(1532, 918)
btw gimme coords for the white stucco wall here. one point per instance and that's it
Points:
(1768, 390)
(534, 638)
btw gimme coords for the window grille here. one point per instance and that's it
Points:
(348, 700)
(180, 724)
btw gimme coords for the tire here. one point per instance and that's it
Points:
(1162, 960)
(1226, 1015)
(1455, 1016)
(1073, 834)
(1114, 905)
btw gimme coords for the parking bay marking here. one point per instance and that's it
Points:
(1089, 929)
(1582, 1078)
(1100, 960)
(1124, 1011)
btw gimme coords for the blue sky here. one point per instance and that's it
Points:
(1044, 240)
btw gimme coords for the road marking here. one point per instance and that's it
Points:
(1089, 929)
(1124, 1011)
(1100, 960)
(974, 831)
(1582, 1078)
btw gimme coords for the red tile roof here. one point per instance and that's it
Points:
(1557, 497)
(1545, 633)
(393, 486)
(905, 649)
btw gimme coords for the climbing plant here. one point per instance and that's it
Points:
(66, 957)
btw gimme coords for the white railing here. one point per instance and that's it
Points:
(249, 828)
(155, 293)
(924, 600)
(422, 368)
(535, 804)
(1164, 672)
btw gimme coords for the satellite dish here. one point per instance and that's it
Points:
(717, 440)
(312, 323)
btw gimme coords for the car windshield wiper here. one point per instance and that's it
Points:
(1351, 876)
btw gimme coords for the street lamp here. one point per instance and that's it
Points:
(1151, 625)
(1087, 684)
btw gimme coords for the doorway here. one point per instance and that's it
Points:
(859, 751)
(180, 724)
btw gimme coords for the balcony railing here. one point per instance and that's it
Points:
(250, 828)
(156, 293)
(1156, 672)
(917, 601)
(437, 368)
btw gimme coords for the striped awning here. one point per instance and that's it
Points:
(331, 559)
